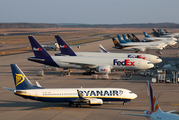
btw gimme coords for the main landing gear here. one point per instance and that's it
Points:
(77, 105)
(89, 72)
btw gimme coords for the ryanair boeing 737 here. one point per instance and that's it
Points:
(90, 96)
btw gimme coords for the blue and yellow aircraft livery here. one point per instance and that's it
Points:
(90, 96)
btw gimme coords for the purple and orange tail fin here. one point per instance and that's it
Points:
(154, 106)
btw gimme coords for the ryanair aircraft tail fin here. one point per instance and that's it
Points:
(64, 48)
(154, 106)
(20, 80)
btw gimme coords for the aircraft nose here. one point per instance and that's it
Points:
(134, 96)
(159, 60)
(174, 39)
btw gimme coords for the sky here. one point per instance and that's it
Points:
(89, 11)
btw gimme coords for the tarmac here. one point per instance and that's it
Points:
(13, 107)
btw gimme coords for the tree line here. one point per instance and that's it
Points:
(49, 25)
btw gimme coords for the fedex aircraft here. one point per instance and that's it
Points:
(100, 64)
(155, 112)
(90, 96)
(103, 53)
(169, 40)
(136, 47)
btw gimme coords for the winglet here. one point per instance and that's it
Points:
(154, 106)
(64, 48)
(102, 49)
(80, 95)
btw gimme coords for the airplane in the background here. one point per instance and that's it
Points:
(137, 47)
(155, 112)
(169, 40)
(99, 64)
(165, 34)
(56, 46)
(104, 53)
(89, 96)
(138, 43)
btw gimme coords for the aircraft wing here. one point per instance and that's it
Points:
(136, 114)
(83, 64)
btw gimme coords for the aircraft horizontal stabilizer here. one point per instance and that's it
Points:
(136, 114)
(9, 89)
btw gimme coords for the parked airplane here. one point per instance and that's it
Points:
(50, 47)
(169, 40)
(56, 46)
(155, 112)
(138, 43)
(100, 64)
(161, 33)
(137, 47)
(134, 39)
(104, 53)
(154, 42)
(90, 96)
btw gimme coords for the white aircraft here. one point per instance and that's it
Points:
(149, 45)
(56, 46)
(165, 34)
(100, 64)
(90, 96)
(168, 40)
(155, 112)
(136, 47)
(50, 47)
(103, 53)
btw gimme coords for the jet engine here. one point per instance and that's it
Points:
(95, 101)
(104, 69)
(143, 49)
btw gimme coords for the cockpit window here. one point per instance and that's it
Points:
(130, 92)
(149, 63)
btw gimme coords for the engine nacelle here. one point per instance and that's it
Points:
(104, 69)
(95, 101)
(143, 49)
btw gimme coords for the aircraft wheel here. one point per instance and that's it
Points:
(124, 103)
(78, 105)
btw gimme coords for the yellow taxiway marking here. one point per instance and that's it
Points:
(48, 108)
(175, 103)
